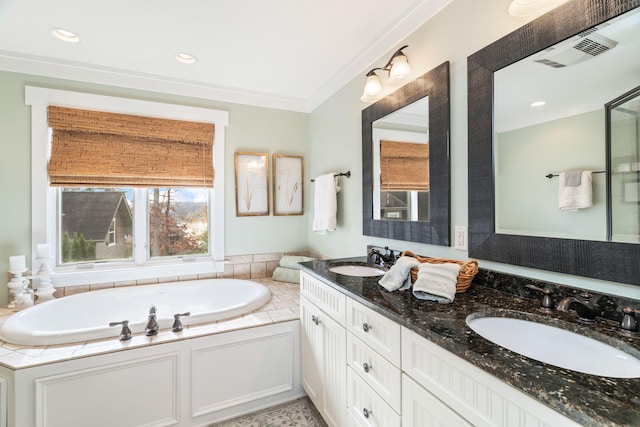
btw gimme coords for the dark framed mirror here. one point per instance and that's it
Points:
(605, 260)
(418, 209)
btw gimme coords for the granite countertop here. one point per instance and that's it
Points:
(588, 399)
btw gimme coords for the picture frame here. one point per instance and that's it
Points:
(288, 185)
(252, 184)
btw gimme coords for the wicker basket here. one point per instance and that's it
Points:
(468, 269)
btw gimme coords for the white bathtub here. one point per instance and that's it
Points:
(86, 316)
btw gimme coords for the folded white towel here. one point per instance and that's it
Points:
(398, 278)
(436, 282)
(325, 204)
(574, 197)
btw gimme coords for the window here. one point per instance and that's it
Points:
(145, 231)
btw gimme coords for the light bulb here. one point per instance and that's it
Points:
(400, 69)
(372, 88)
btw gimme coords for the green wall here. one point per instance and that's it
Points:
(250, 128)
(460, 29)
(527, 201)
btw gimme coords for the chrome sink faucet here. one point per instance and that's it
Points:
(152, 323)
(584, 306)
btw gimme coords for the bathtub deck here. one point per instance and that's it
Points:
(283, 306)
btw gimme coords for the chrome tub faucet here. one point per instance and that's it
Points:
(152, 322)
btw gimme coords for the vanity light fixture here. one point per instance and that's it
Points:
(398, 69)
(186, 58)
(65, 35)
(523, 8)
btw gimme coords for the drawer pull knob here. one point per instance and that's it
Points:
(315, 319)
(366, 327)
(366, 367)
(366, 412)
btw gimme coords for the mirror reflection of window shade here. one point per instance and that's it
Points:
(404, 166)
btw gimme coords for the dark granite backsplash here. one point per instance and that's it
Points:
(610, 306)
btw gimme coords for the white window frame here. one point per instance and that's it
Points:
(44, 218)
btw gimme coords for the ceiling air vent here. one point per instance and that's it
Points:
(584, 46)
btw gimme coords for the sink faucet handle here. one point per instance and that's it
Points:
(177, 324)
(546, 305)
(629, 324)
(125, 333)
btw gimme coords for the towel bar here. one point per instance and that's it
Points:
(347, 174)
(551, 175)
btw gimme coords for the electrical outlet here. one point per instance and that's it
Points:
(460, 237)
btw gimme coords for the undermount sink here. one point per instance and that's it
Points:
(357, 270)
(556, 346)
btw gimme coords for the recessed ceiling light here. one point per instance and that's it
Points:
(65, 35)
(186, 58)
(538, 104)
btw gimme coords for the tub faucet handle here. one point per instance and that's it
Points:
(152, 323)
(125, 333)
(177, 324)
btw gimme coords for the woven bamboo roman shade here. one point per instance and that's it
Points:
(404, 166)
(100, 149)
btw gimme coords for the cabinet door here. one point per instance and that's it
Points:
(311, 352)
(422, 409)
(334, 351)
(324, 363)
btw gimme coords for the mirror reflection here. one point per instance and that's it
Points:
(401, 164)
(550, 129)
(411, 174)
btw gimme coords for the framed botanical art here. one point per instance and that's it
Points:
(288, 188)
(252, 186)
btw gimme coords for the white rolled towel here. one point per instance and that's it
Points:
(398, 278)
(436, 282)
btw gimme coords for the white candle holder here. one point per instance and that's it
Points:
(16, 286)
(45, 289)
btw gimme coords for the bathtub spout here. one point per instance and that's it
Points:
(152, 322)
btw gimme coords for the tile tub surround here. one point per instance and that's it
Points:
(283, 306)
(587, 399)
(252, 266)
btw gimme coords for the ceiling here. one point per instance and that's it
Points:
(289, 54)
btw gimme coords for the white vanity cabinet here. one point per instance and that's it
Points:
(389, 376)
(323, 348)
(465, 394)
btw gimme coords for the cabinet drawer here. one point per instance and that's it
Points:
(375, 330)
(366, 406)
(375, 370)
(323, 296)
